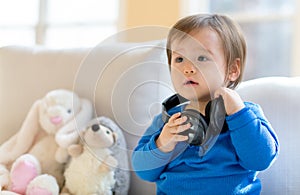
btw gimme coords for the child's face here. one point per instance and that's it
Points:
(198, 65)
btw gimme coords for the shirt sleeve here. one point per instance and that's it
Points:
(253, 137)
(147, 160)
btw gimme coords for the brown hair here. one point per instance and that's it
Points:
(234, 44)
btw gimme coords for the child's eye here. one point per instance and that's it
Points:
(178, 59)
(202, 58)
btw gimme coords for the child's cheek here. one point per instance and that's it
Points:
(214, 77)
(176, 77)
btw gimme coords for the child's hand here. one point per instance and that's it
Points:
(232, 101)
(169, 136)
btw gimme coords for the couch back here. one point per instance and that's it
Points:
(124, 81)
(127, 82)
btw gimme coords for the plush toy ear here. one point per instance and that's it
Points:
(68, 134)
(115, 136)
(21, 142)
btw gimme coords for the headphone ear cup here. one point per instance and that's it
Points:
(217, 120)
(217, 114)
(197, 132)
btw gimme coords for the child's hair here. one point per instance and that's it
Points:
(234, 44)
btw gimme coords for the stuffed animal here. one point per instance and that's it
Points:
(91, 168)
(99, 164)
(33, 160)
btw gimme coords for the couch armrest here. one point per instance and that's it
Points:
(279, 97)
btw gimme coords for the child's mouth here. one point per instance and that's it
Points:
(191, 82)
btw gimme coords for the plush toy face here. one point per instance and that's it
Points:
(56, 109)
(99, 136)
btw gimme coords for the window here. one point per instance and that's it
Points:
(16, 24)
(57, 23)
(269, 27)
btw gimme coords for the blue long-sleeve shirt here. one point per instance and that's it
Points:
(230, 167)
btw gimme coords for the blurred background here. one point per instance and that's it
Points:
(271, 27)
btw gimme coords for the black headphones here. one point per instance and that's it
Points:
(200, 133)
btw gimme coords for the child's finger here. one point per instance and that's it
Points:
(180, 120)
(220, 92)
(173, 120)
(176, 120)
(180, 128)
(180, 138)
(175, 116)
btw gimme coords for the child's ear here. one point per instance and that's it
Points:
(234, 70)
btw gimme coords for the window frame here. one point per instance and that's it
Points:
(40, 27)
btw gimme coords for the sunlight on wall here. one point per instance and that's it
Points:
(156, 13)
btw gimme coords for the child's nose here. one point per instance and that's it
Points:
(189, 68)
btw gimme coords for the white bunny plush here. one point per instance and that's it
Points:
(32, 161)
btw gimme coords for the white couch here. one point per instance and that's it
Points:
(127, 82)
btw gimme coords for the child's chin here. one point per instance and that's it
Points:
(201, 98)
